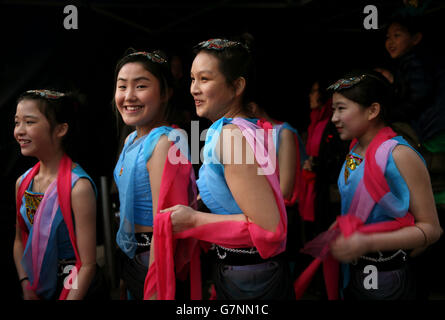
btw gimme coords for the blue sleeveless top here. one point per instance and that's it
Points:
(395, 181)
(61, 236)
(133, 183)
(212, 184)
(277, 133)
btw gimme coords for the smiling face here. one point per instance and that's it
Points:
(213, 96)
(399, 41)
(350, 119)
(138, 96)
(32, 129)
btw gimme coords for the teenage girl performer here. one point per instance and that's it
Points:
(142, 95)
(387, 205)
(55, 243)
(237, 182)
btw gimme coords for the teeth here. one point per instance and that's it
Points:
(133, 108)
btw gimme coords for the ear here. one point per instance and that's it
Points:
(417, 38)
(61, 130)
(373, 111)
(239, 85)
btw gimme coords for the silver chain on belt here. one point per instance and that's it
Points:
(381, 259)
(224, 254)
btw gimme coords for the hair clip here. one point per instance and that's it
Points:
(153, 56)
(48, 94)
(219, 44)
(346, 83)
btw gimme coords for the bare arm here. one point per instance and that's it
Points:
(250, 190)
(83, 202)
(287, 161)
(155, 167)
(427, 229)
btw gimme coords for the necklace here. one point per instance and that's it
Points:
(352, 162)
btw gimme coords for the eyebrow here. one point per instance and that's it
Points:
(27, 116)
(135, 79)
(203, 71)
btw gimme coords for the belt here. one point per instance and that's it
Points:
(383, 261)
(237, 256)
(143, 240)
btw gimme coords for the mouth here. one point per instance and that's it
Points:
(132, 109)
(198, 103)
(23, 142)
(339, 129)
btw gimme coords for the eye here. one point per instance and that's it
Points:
(122, 87)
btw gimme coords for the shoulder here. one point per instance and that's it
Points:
(163, 143)
(286, 133)
(18, 182)
(82, 186)
(230, 131)
(405, 157)
(160, 150)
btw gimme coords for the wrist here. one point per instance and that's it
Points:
(368, 243)
(24, 282)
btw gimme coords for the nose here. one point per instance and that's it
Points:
(130, 94)
(334, 118)
(19, 129)
(194, 88)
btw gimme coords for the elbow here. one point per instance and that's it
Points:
(438, 233)
(287, 190)
(434, 235)
(287, 195)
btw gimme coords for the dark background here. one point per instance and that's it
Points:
(295, 42)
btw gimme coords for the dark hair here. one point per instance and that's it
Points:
(63, 109)
(161, 71)
(372, 88)
(412, 24)
(322, 89)
(237, 61)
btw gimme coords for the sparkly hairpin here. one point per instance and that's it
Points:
(346, 83)
(48, 94)
(153, 56)
(219, 44)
